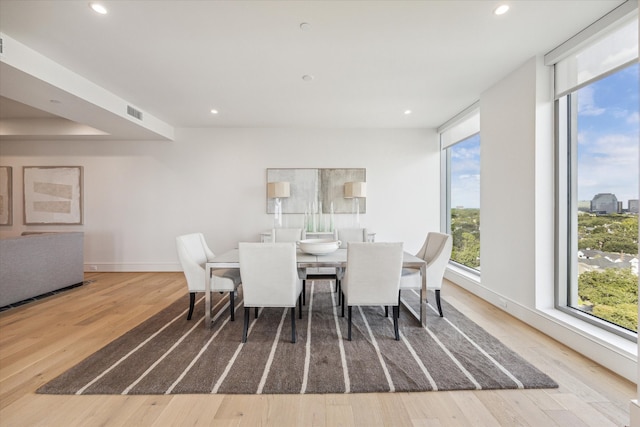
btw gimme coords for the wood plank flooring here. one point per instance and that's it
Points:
(42, 339)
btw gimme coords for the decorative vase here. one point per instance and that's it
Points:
(331, 219)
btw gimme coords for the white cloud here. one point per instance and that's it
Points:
(465, 153)
(465, 191)
(586, 104)
(609, 164)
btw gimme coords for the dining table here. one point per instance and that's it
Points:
(336, 259)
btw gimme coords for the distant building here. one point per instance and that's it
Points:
(604, 203)
(584, 205)
(633, 206)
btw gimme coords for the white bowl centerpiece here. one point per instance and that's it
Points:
(318, 246)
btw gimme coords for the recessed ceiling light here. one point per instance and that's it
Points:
(305, 26)
(307, 77)
(214, 111)
(98, 8)
(407, 112)
(501, 10)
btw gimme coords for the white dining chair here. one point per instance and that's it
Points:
(372, 277)
(193, 254)
(436, 251)
(317, 273)
(270, 279)
(346, 236)
(280, 235)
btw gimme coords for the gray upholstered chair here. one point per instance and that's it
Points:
(436, 251)
(270, 279)
(194, 253)
(372, 277)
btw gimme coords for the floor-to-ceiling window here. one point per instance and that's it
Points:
(598, 156)
(461, 152)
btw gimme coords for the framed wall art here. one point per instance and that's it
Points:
(52, 195)
(6, 199)
(322, 186)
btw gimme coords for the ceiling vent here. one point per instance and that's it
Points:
(1, 46)
(134, 113)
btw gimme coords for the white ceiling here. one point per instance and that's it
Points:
(371, 60)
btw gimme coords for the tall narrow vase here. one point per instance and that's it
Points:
(331, 220)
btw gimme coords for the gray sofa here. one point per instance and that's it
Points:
(35, 264)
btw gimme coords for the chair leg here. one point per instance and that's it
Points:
(256, 312)
(246, 324)
(349, 329)
(299, 309)
(232, 303)
(396, 312)
(342, 304)
(192, 302)
(438, 302)
(293, 324)
(386, 311)
(399, 303)
(304, 292)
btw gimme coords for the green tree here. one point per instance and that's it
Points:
(613, 293)
(608, 233)
(468, 251)
(625, 315)
(465, 231)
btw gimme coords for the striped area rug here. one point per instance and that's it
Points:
(168, 354)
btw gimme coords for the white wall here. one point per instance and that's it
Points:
(507, 215)
(139, 195)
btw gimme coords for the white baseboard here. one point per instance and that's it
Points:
(91, 267)
(634, 413)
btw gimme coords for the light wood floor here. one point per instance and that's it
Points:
(40, 340)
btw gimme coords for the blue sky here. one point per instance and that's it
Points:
(608, 144)
(465, 173)
(608, 132)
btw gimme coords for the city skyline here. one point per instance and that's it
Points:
(608, 192)
(608, 203)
